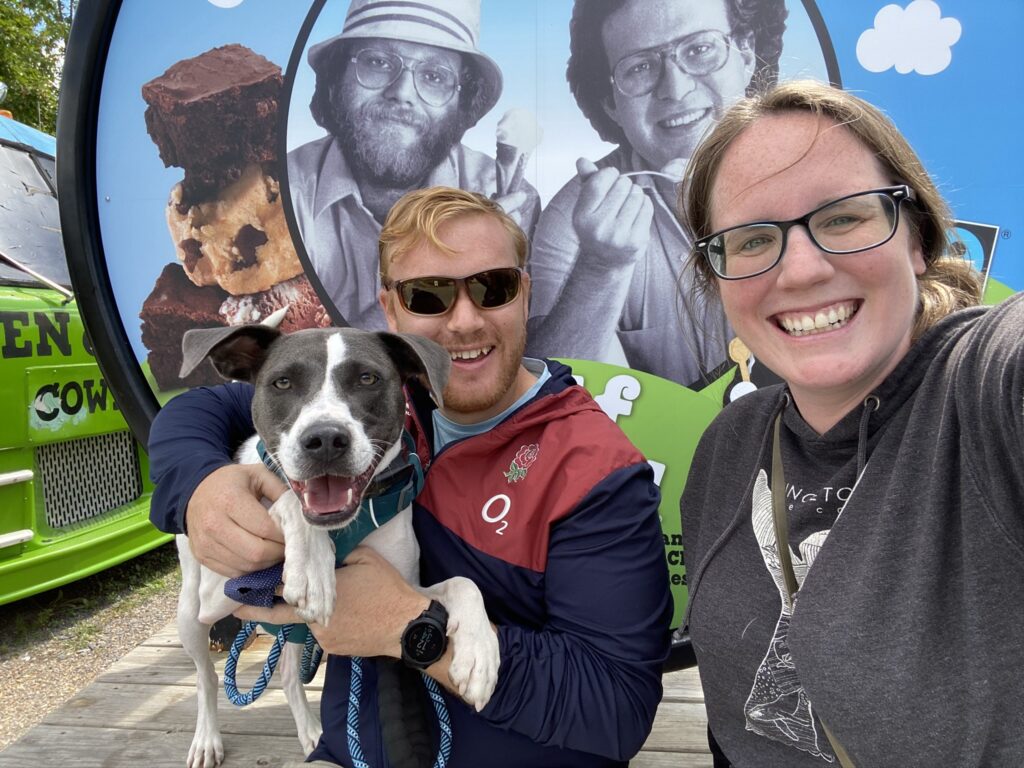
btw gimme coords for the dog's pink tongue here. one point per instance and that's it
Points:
(329, 493)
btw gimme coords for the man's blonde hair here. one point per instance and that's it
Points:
(418, 215)
(949, 282)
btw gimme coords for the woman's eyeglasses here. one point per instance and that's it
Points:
(851, 224)
(432, 296)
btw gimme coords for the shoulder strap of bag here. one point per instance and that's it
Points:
(782, 543)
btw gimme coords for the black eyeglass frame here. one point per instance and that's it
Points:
(460, 282)
(405, 67)
(662, 50)
(898, 193)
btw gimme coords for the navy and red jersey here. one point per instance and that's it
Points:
(554, 515)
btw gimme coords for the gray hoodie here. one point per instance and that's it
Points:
(907, 635)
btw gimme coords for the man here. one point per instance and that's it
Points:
(566, 550)
(396, 91)
(651, 76)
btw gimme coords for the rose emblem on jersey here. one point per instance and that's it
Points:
(525, 456)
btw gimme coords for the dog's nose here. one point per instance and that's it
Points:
(325, 443)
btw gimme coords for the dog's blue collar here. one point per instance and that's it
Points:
(391, 491)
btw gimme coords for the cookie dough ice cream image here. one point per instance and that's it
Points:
(518, 134)
(215, 116)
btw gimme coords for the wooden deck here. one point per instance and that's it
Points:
(141, 714)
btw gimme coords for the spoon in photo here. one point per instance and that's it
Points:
(673, 170)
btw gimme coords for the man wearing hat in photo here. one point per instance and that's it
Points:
(396, 91)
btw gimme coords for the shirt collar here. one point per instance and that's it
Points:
(336, 180)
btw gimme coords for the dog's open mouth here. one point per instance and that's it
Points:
(332, 500)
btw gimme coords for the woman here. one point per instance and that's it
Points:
(898, 435)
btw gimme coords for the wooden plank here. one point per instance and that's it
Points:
(671, 760)
(166, 636)
(152, 707)
(683, 685)
(170, 665)
(679, 727)
(87, 747)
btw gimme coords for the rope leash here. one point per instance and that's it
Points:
(312, 653)
(230, 666)
(355, 690)
(443, 721)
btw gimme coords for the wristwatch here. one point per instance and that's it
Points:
(426, 637)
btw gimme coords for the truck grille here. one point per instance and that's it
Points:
(85, 478)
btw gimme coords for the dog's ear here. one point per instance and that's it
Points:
(419, 358)
(237, 352)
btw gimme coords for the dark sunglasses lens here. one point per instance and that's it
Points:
(431, 296)
(494, 288)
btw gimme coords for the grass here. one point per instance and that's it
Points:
(67, 612)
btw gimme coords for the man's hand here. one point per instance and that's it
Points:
(612, 216)
(373, 607)
(228, 527)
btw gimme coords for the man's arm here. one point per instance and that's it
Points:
(590, 679)
(199, 490)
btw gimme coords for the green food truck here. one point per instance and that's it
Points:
(74, 488)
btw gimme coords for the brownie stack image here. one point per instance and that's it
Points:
(215, 117)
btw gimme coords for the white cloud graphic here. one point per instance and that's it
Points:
(225, 3)
(914, 39)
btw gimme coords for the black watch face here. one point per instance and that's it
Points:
(424, 642)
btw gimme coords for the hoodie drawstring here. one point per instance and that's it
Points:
(862, 432)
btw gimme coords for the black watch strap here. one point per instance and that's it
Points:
(426, 637)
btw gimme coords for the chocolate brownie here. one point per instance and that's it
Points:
(213, 114)
(174, 306)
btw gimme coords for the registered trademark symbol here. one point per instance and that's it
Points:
(1006, 234)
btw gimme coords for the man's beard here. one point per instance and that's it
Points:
(362, 136)
(474, 399)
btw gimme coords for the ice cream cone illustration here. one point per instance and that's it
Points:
(517, 136)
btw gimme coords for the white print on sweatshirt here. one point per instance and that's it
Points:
(777, 707)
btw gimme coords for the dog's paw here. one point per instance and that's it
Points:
(475, 661)
(311, 591)
(207, 750)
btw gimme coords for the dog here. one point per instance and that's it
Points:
(330, 407)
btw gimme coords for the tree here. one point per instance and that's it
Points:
(34, 35)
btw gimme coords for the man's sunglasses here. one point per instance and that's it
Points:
(431, 296)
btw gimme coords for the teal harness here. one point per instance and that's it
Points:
(389, 493)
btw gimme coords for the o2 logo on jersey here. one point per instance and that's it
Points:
(495, 511)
